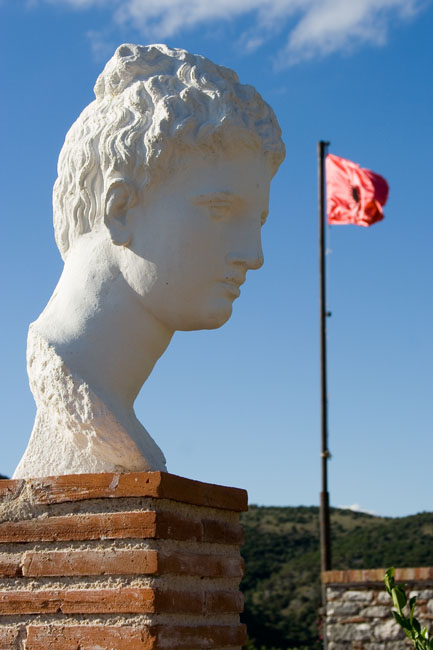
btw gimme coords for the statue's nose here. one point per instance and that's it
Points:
(256, 261)
(250, 257)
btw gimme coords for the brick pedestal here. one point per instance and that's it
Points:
(120, 562)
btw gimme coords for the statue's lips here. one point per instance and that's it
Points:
(232, 287)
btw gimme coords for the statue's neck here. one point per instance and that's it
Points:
(75, 430)
(104, 334)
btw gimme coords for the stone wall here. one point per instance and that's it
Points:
(120, 562)
(358, 610)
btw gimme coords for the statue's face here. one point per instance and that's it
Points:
(195, 236)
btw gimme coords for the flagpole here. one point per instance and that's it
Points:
(325, 541)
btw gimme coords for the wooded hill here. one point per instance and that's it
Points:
(281, 585)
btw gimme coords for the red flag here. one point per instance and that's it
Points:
(354, 195)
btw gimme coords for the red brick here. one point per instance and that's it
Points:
(81, 527)
(373, 575)
(10, 488)
(29, 602)
(197, 493)
(354, 576)
(202, 637)
(222, 532)
(224, 602)
(130, 600)
(89, 637)
(168, 601)
(77, 487)
(376, 575)
(172, 526)
(127, 600)
(203, 565)
(90, 563)
(329, 577)
(78, 601)
(352, 619)
(9, 638)
(122, 562)
(10, 566)
(148, 524)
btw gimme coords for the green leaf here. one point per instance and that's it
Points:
(409, 634)
(416, 625)
(421, 644)
(389, 579)
(412, 604)
(397, 616)
(401, 620)
(399, 597)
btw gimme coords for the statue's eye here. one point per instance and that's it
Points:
(220, 209)
(220, 205)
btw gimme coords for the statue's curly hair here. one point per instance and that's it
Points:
(153, 103)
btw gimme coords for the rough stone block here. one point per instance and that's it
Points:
(355, 632)
(334, 593)
(342, 609)
(358, 596)
(376, 611)
(404, 644)
(383, 598)
(335, 645)
(388, 631)
(422, 594)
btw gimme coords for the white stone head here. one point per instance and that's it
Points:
(170, 132)
(162, 189)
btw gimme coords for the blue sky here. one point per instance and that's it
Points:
(240, 405)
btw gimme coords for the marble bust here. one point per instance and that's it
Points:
(162, 189)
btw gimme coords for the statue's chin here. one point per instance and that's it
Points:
(217, 322)
(212, 320)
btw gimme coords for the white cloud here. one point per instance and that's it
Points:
(332, 25)
(315, 28)
(252, 43)
(102, 47)
(355, 507)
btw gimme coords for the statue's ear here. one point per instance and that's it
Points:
(119, 197)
